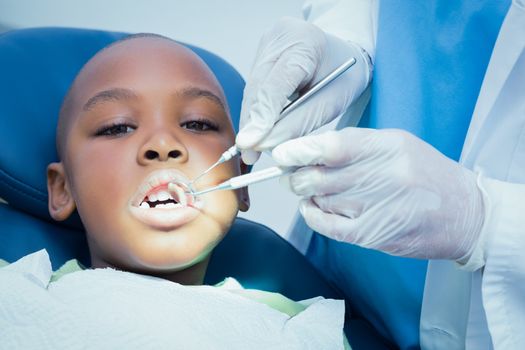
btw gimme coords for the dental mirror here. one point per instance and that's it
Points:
(184, 193)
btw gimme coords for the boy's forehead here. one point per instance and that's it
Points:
(142, 57)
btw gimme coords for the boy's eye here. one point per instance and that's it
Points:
(115, 130)
(200, 125)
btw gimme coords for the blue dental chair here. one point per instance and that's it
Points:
(36, 68)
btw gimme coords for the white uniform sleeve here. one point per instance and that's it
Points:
(500, 153)
(502, 251)
(350, 20)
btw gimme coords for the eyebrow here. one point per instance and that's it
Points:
(196, 92)
(119, 94)
(116, 94)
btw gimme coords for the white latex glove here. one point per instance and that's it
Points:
(386, 190)
(291, 56)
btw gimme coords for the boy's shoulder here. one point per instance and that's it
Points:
(3, 263)
(69, 266)
(276, 301)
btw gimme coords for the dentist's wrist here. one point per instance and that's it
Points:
(502, 229)
(475, 258)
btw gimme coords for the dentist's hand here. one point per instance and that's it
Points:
(291, 56)
(386, 190)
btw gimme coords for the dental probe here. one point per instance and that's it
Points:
(226, 156)
(247, 179)
(233, 150)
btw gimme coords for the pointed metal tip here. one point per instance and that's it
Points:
(204, 173)
(223, 186)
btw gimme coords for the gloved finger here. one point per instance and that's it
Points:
(258, 75)
(289, 73)
(322, 180)
(249, 157)
(331, 148)
(285, 129)
(340, 204)
(317, 180)
(320, 109)
(284, 181)
(300, 122)
(288, 34)
(331, 225)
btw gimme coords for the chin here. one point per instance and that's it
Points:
(170, 255)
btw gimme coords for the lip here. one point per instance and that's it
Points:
(154, 180)
(163, 218)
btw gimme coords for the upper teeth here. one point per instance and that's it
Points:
(159, 196)
(163, 195)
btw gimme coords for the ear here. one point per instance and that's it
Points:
(244, 197)
(60, 200)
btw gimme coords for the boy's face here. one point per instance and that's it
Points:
(145, 112)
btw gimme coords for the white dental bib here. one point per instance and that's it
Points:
(109, 309)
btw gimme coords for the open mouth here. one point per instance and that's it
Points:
(168, 196)
(162, 201)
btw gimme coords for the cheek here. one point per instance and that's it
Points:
(100, 178)
(221, 206)
(204, 153)
(220, 210)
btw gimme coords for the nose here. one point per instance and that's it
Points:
(162, 147)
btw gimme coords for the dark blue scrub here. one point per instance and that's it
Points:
(431, 57)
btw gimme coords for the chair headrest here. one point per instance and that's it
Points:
(37, 66)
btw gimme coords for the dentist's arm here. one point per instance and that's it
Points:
(389, 190)
(295, 54)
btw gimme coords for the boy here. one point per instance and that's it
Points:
(142, 113)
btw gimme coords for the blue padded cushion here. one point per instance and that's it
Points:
(37, 67)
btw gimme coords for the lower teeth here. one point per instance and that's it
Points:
(145, 205)
(167, 205)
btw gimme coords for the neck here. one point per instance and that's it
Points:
(192, 275)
